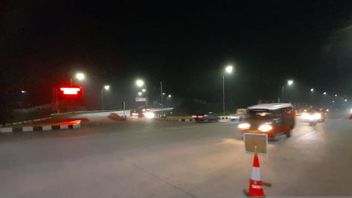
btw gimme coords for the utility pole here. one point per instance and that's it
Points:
(223, 94)
(161, 94)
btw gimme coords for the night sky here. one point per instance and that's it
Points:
(185, 44)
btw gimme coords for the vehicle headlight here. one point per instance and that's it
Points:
(244, 126)
(305, 116)
(266, 127)
(316, 116)
(149, 115)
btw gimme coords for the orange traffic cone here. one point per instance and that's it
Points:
(255, 184)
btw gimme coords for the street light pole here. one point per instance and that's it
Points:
(228, 70)
(104, 88)
(161, 94)
(223, 94)
(102, 99)
(282, 94)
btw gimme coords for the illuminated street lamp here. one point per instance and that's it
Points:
(139, 83)
(144, 90)
(104, 89)
(228, 70)
(289, 83)
(23, 91)
(311, 90)
(345, 100)
(107, 87)
(140, 93)
(169, 96)
(80, 76)
(335, 95)
(324, 93)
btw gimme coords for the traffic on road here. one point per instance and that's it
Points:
(161, 99)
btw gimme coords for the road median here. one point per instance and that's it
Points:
(74, 124)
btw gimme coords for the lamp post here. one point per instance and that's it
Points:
(139, 83)
(289, 83)
(228, 70)
(104, 88)
(311, 95)
(79, 76)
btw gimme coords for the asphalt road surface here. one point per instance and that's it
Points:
(145, 159)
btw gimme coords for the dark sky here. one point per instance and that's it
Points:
(183, 43)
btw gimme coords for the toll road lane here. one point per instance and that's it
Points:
(167, 159)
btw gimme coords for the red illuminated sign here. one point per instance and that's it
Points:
(70, 90)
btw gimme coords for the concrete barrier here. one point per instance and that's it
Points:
(59, 126)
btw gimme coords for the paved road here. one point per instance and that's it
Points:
(141, 159)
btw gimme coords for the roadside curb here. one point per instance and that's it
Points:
(175, 120)
(8, 125)
(187, 120)
(40, 128)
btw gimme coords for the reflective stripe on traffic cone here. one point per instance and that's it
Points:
(255, 184)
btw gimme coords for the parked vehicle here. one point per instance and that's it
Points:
(240, 114)
(205, 117)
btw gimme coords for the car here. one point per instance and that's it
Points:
(240, 114)
(205, 117)
(137, 113)
(273, 119)
(314, 116)
(234, 117)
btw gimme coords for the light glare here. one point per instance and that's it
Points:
(149, 115)
(244, 126)
(80, 76)
(107, 87)
(229, 69)
(265, 127)
(139, 83)
(70, 90)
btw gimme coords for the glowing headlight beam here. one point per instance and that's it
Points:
(149, 115)
(244, 126)
(265, 127)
